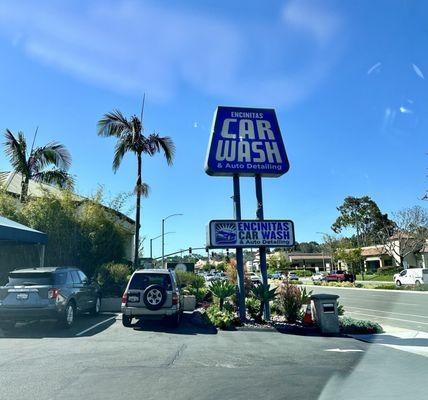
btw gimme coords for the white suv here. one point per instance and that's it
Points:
(412, 276)
(152, 294)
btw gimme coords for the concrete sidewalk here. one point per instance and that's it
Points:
(411, 341)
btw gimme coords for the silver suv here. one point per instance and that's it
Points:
(152, 294)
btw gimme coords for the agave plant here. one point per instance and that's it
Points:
(264, 294)
(222, 290)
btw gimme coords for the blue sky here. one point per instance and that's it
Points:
(348, 81)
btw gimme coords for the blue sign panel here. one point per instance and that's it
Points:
(246, 141)
(250, 233)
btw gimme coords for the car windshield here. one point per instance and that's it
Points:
(142, 281)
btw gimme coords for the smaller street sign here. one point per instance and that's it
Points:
(250, 233)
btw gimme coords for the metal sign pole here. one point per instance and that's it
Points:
(239, 251)
(262, 250)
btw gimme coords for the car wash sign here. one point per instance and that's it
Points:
(246, 141)
(250, 233)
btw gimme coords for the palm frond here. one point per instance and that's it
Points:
(113, 124)
(53, 153)
(122, 146)
(15, 150)
(157, 143)
(55, 177)
(144, 189)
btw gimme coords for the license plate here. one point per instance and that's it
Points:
(22, 296)
(134, 297)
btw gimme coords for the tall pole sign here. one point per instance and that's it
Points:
(248, 142)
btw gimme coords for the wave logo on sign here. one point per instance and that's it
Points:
(225, 233)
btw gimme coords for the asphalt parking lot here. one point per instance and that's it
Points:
(100, 359)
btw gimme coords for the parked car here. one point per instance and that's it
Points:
(412, 276)
(318, 277)
(292, 276)
(255, 279)
(152, 294)
(58, 293)
(277, 275)
(340, 276)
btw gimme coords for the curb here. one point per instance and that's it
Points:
(372, 290)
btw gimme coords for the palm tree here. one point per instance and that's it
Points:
(34, 164)
(130, 138)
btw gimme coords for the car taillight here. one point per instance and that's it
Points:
(53, 293)
(124, 298)
(174, 298)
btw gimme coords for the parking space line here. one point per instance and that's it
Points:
(96, 325)
(389, 312)
(380, 317)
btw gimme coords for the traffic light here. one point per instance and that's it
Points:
(190, 250)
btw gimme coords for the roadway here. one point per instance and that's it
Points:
(387, 307)
(100, 359)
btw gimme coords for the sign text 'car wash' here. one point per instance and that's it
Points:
(246, 141)
(250, 233)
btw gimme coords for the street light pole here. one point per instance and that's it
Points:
(151, 242)
(163, 236)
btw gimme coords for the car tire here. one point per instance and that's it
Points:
(417, 283)
(154, 297)
(97, 307)
(126, 321)
(398, 283)
(69, 316)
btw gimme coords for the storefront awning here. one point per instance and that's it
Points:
(11, 231)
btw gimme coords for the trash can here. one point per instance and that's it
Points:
(325, 312)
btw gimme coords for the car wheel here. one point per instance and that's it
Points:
(154, 297)
(97, 306)
(398, 283)
(68, 316)
(417, 284)
(126, 321)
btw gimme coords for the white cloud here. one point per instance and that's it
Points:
(134, 47)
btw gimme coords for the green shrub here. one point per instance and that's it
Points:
(253, 305)
(200, 294)
(189, 279)
(340, 309)
(275, 308)
(222, 319)
(387, 270)
(302, 273)
(356, 326)
(113, 278)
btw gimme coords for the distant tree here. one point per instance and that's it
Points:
(34, 164)
(308, 247)
(410, 233)
(130, 138)
(352, 257)
(278, 261)
(364, 216)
